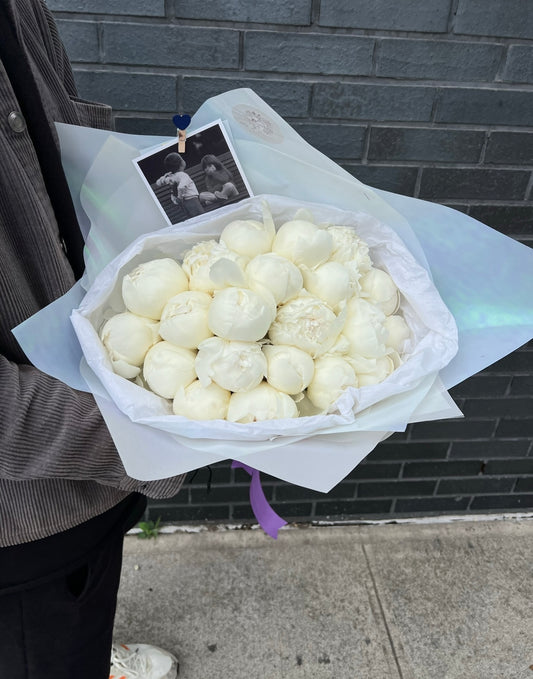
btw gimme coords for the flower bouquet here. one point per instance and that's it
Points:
(433, 256)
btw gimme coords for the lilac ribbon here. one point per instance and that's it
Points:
(269, 521)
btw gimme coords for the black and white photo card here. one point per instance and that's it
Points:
(206, 176)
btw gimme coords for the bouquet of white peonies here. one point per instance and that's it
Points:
(259, 324)
(269, 319)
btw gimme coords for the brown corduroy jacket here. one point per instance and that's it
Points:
(58, 464)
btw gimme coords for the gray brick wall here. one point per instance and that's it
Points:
(429, 98)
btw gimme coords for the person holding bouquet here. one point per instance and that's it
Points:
(65, 498)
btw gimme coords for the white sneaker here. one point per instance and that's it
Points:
(142, 661)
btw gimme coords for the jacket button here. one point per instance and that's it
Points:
(16, 121)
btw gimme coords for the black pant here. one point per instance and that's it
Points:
(62, 628)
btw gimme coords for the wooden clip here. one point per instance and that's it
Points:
(181, 122)
(181, 141)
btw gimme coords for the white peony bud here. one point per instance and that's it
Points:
(348, 247)
(303, 243)
(263, 402)
(379, 288)
(247, 237)
(201, 403)
(329, 281)
(364, 329)
(397, 332)
(235, 366)
(333, 374)
(274, 273)
(168, 367)
(126, 370)
(127, 337)
(383, 367)
(184, 319)
(240, 314)
(289, 369)
(197, 263)
(308, 323)
(149, 286)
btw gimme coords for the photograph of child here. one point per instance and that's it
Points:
(205, 177)
(218, 181)
(182, 187)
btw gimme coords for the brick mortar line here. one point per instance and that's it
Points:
(298, 77)
(311, 28)
(352, 486)
(483, 439)
(451, 165)
(393, 124)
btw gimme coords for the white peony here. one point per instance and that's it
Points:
(272, 272)
(375, 371)
(127, 337)
(147, 288)
(240, 314)
(333, 374)
(197, 263)
(308, 323)
(378, 287)
(397, 332)
(247, 237)
(349, 248)
(184, 319)
(168, 367)
(303, 243)
(263, 402)
(289, 369)
(330, 282)
(233, 365)
(364, 329)
(201, 403)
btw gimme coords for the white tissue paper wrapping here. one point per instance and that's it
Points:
(115, 209)
(434, 341)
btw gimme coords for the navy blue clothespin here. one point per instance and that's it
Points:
(182, 122)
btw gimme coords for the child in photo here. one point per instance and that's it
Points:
(218, 181)
(183, 189)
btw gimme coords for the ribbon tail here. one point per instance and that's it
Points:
(267, 518)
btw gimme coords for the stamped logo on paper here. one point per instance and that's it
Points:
(257, 123)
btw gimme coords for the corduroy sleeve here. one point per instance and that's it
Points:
(49, 430)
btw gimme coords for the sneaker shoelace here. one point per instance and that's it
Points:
(135, 664)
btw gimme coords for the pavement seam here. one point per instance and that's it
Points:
(382, 611)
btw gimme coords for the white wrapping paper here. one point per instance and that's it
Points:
(454, 249)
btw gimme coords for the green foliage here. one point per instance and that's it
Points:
(150, 529)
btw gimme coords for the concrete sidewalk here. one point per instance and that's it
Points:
(410, 601)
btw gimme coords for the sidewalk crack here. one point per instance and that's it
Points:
(383, 616)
